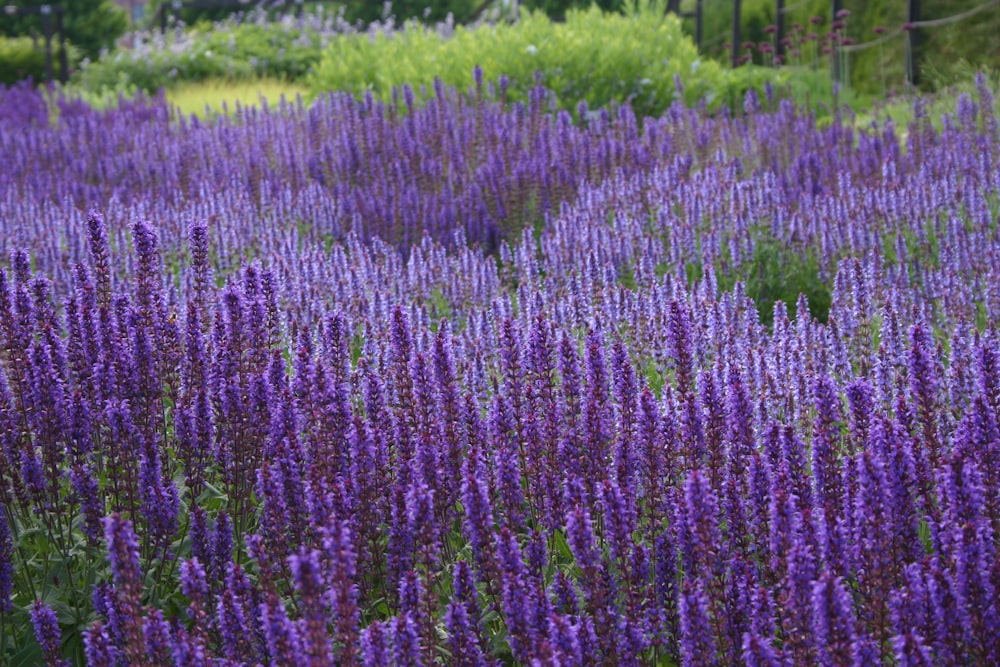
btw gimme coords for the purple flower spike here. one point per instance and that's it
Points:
(406, 641)
(48, 634)
(339, 550)
(375, 645)
(833, 622)
(99, 648)
(123, 551)
(758, 652)
(284, 645)
(313, 605)
(159, 645)
(910, 651)
(697, 640)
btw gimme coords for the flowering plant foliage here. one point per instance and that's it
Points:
(238, 427)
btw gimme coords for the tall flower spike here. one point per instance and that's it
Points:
(967, 547)
(700, 536)
(99, 258)
(48, 634)
(159, 645)
(697, 641)
(758, 652)
(194, 586)
(406, 641)
(825, 446)
(518, 604)
(375, 642)
(462, 637)
(627, 402)
(123, 552)
(910, 651)
(99, 649)
(860, 397)
(833, 621)
(284, 646)
(340, 551)
(313, 605)
(595, 412)
(221, 546)
(923, 377)
(198, 535)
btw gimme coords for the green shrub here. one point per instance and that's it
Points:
(593, 56)
(22, 58)
(91, 25)
(284, 49)
(775, 273)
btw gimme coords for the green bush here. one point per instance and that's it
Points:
(777, 273)
(284, 49)
(593, 56)
(22, 58)
(91, 25)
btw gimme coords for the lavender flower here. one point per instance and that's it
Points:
(48, 634)
(284, 643)
(833, 621)
(123, 552)
(375, 642)
(697, 644)
(99, 649)
(758, 652)
(313, 605)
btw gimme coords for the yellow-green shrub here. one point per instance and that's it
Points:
(593, 56)
(20, 59)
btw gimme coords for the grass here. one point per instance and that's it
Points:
(209, 97)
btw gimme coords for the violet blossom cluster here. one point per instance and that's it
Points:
(570, 451)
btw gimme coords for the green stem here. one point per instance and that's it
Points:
(3, 631)
(173, 561)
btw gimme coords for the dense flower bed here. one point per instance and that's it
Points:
(238, 427)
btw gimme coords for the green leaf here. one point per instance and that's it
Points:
(30, 654)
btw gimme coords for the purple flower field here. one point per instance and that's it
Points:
(467, 383)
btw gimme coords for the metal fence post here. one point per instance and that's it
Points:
(63, 57)
(912, 43)
(698, 22)
(46, 12)
(834, 47)
(736, 33)
(779, 23)
(175, 8)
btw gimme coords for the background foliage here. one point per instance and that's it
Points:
(91, 25)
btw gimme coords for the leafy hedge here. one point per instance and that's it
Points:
(593, 57)
(284, 49)
(21, 58)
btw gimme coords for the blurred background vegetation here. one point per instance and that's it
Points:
(946, 54)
